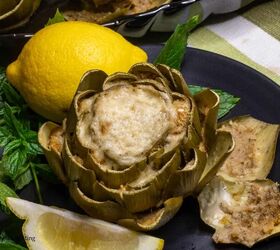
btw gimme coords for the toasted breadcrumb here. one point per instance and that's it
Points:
(254, 219)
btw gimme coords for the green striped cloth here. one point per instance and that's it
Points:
(245, 30)
(251, 36)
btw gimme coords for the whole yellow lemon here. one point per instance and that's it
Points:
(51, 64)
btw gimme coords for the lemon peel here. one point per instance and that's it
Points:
(51, 64)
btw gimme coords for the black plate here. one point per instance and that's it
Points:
(259, 97)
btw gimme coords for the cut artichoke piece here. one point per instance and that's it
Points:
(16, 13)
(50, 137)
(132, 145)
(255, 146)
(244, 212)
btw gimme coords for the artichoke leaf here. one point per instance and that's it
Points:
(77, 172)
(115, 178)
(244, 212)
(52, 151)
(155, 219)
(144, 71)
(219, 152)
(180, 83)
(106, 210)
(92, 80)
(142, 198)
(7, 5)
(207, 102)
(184, 181)
(18, 15)
(253, 155)
(74, 112)
(118, 78)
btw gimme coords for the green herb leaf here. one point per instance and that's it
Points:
(5, 136)
(57, 18)
(24, 179)
(172, 54)
(14, 162)
(12, 123)
(7, 244)
(5, 191)
(227, 101)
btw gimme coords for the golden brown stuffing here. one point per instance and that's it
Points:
(254, 219)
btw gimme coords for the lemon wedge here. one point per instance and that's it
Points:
(48, 228)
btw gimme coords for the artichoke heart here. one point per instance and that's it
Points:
(244, 212)
(254, 152)
(15, 13)
(133, 144)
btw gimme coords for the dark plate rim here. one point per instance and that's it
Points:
(229, 59)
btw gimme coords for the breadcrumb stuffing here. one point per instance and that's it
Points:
(241, 161)
(254, 219)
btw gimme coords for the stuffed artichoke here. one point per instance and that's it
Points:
(243, 212)
(135, 144)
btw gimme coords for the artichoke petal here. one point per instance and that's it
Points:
(145, 71)
(184, 181)
(116, 178)
(207, 102)
(253, 155)
(219, 152)
(119, 78)
(244, 212)
(106, 210)
(92, 80)
(53, 151)
(155, 219)
(143, 198)
(16, 15)
(77, 172)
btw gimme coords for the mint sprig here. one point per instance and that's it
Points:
(172, 54)
(21, 159)
(57, 18)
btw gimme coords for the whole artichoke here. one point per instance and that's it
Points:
(135, 144)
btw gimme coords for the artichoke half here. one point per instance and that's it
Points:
(135, 144)
(255, 147)
(243, 212)
(15, 13)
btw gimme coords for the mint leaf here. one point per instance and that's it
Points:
(57, 18)
(8, 244)
(5, 191)
(12, 123)
(14, 162)
(172, 54)
(22, 180)
(227, 101)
